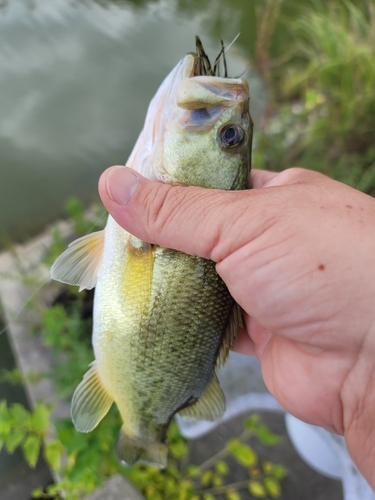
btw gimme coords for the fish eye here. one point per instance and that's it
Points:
(231, 136)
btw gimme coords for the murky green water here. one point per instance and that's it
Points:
(76, 78)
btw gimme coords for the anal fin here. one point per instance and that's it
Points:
(79, 264)
(91, 402)
(210, 406)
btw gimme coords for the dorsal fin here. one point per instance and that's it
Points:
(79, 264)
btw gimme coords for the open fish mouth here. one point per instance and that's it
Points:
(192, 97)
(203, 65)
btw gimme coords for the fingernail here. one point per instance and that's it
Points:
(122, 183)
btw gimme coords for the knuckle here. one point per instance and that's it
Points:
(299, 174)
(154, 204)
(161, 203)
(180, 212)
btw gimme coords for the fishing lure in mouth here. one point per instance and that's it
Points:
(204, 62)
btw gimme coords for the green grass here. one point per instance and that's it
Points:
(336, 45)
(322, 114)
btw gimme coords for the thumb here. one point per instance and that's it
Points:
(190, 219)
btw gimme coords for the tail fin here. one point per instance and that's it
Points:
(130, 450)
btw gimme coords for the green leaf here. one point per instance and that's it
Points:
(183, 495)
(186, 485)
(252, 422)
(272, 486)
(52, 454)
(37, 493)
(267, 467)
(13, 377)
(233, 445)
(193, 470)
(206, 478)
(173, 471)
(14, 439)
(221, 467)
(311, 99)
(217, 481)
(169, 486)
(40, 419)
(266, 436)
(31, 448)
(174, 433)
(5, 424)
(74, 441)
(257, 489)
(18, 414)
(151, 493)
(5, 428)
(278, 471)
(244, 454)
(232, 495)
(208, 496)
(178, 449)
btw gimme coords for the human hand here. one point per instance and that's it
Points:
(297, 253)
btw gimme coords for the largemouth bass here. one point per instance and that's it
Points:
(164, 320)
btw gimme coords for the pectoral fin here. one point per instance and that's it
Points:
(79, 264)
(91, 402)
(210, 406)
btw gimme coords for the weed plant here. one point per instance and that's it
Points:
(84, 461)
(321, 112)
(336, 74)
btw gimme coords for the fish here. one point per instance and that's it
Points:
(164, 321)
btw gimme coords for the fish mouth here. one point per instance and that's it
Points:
(200, 86)
(192, 96)
(202, 64)
(197, 66)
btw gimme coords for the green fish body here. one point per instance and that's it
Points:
(163, 320)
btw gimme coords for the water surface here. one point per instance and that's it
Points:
(76, 78)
